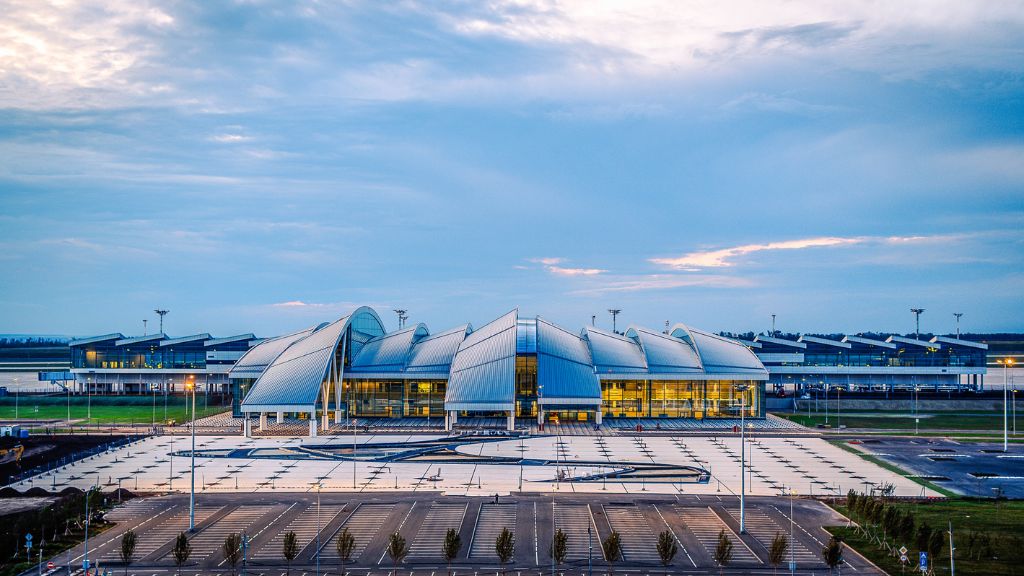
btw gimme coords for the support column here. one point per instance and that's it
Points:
(247, 426)
(325, 420)
(263, 421)
(597, 416)
(511, 420)
(312, 426)
(280, 417)
(447, 422)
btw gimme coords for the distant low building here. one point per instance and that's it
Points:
(878, 363)
(116, 364)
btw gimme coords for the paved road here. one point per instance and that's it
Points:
(694, 521)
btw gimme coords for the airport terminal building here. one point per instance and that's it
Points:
(859, 363)
(513, 367)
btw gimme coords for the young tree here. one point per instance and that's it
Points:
(233, 550)
(397, 550)
(182, 550)
(127, 548)
(777, 552)
(667, 548)
(345, 545)
(559, 547)
(832, 553)
(936, 542)
(451, 547)
(923, 536)
(290, 549)
(612, 546)
(505, 547)
(723, 551)
(851, 501)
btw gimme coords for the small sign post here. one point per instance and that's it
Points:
(923, 561)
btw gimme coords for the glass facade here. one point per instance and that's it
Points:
(395, 398)
(526, 385)
(681, 398)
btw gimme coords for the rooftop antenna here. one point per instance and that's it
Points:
(773, 325)
(666, 326)
(917, 321)
(401, 318)
(593, 320)
(161, 313)
(145, 331)
(958, 315)
(614, 312)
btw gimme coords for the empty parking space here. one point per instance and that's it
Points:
(137, 510)
(305, 526)
(363, 524)
(489, 524)
(211, 540)
(440, 518)
(638, 541)
(162, 533)
(573, 520)
(706, 526)
(764, 528)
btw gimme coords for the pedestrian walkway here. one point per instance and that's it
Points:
(638, 541)
(429, 540)
(489, 524)
(363, 525)
(706, 526)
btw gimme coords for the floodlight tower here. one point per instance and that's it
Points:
(593, 319)
(614, 312)
(145, 330)
(773, 325)
(917, 321)
(958, 315)
(401, 318)
(161, 314)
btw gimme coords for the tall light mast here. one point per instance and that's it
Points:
(401, 318)
(958, 315)
(161, 313)
(917, 321)
(614, 312)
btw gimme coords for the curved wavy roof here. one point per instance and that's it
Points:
(666, 354)
(612, 353)
(256, 360)
(387, 353)
(722, 356)
(483, 370)
(434, 354)
(564, 367)
(292, 381)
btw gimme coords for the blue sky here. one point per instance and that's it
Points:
(260, 166)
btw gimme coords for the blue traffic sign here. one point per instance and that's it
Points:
(923, 556)
(28, 537)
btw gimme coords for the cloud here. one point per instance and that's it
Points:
(724, 257)
(648, 282)
(230, 138)
(551, 264)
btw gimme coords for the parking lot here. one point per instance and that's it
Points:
(968, 468)
(693, 521)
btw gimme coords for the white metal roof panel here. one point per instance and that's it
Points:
(869, 342)
(184, 339)
(387, 353)
(959, 342)
(564, 367)
(228, 339)
(435, 352)
(666, 354)
(824, 341)
(720, 355)
(483, 370)
(138, 339)
(614, 353)
(256, 360)
(913, 342)
(779, 341)
(94, 339)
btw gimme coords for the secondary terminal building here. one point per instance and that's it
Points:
(878, 363)
(512, 367)
(119, 364)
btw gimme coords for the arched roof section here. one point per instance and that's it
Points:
(722, 357)
(259, 357)
(387, 353)
(564, 368)
(292, 382)
(484, 368)
(614, 354)
(433, 355)
(665, 354)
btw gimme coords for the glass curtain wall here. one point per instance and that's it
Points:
(526, 386)
(680, 398)
(425, 398)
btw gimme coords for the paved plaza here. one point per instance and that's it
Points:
(423, 519)
(474, 466)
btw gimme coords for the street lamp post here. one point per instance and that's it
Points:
(839, 408)
(318, 529)
(1006, 372)
(792, 561)
(742, 388)
(355, 423)
(917, 416)
(192, 489)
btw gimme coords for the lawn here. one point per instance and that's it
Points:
(902, 421)
(107, 409)
(988, 538)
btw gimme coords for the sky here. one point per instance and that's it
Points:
(263, 166)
